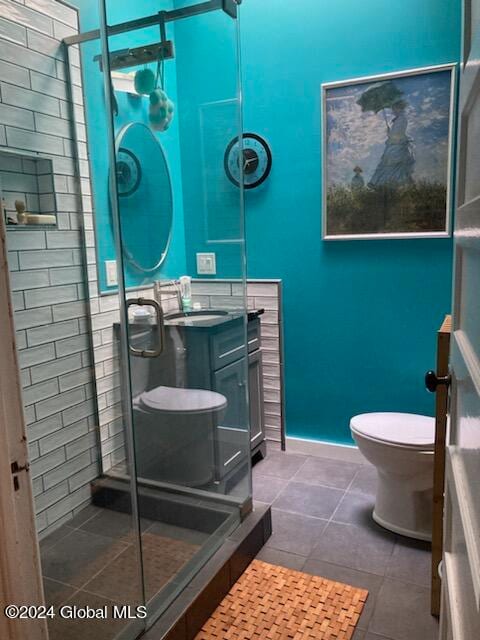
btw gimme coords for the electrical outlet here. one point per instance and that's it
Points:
(111, 273)
(206, 264)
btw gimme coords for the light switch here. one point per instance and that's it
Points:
(206, 264)
(111, 273)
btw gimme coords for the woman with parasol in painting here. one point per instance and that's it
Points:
(395, 167)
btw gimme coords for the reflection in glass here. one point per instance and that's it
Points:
(145, 196)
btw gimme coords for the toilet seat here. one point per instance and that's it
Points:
(173, 400)
(401, 429)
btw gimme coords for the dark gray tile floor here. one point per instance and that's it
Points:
(322, 525)
(92, 560)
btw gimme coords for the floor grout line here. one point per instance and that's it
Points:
(388, 558)
(343, 497)
(65, 584)
(48, 547)
(95, 515)
(123, 540)
(298, 513)
(312, 484)
(299, 468)
(124, 543)
(107, 564)
(327, 520)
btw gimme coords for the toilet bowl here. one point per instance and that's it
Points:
(401, 447)
(174, 427)
(174, 434)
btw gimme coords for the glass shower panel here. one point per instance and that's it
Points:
(187, 362)
(210, 120)
(121, 581)
(76, 429)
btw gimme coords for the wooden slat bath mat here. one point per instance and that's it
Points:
(274, 603)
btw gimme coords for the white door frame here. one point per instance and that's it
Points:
(20, 575)
(460, 610)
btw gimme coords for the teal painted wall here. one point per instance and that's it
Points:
(130, 110)
(209, 118)
(360, 317)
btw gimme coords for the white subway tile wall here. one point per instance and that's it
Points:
(47, 266)
(261, 294)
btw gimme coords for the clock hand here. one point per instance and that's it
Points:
(248, 161)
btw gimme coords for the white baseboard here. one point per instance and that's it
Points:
(345, 452)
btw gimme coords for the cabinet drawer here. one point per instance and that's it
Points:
(228, 345)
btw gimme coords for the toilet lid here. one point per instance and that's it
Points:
(408, 429)
(175, 400)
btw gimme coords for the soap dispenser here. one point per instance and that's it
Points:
(186, 292)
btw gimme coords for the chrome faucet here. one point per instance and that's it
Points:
(159, 295)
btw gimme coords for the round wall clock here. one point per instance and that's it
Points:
(257, 161)
(129, 172)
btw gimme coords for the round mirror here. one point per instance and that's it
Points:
(144, 197)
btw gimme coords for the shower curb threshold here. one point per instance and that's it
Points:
(184, 618)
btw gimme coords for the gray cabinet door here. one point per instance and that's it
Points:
(230, 441)
(230, 382)
(255, 384)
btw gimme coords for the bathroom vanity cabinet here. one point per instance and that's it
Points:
(210, 355)
(227, 379)
(215, 359)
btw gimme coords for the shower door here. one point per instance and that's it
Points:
(171, 87)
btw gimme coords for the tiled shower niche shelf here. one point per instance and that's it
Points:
(29, 179)
(31, 227)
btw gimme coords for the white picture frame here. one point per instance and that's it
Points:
(351, 221)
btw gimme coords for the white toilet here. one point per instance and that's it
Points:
(174, 428)
(401, 447)
(174, 433)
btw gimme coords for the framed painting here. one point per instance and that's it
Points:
(387, 146)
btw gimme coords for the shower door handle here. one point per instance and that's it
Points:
(149, 353)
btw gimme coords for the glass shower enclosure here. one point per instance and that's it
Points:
(161, 88)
